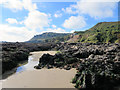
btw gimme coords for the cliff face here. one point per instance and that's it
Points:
(104, 32)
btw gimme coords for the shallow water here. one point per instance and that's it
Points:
(33, 60)
(29, 66)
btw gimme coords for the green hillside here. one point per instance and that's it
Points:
(50, 37)
(102, 32)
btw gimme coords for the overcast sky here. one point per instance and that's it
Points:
(22, 19)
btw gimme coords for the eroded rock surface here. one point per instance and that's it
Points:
(98, 64)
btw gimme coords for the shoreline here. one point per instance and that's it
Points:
(42, 78)
(13, 71)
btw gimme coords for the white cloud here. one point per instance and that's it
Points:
(57, 15)
(70, 10)
(57, 30)
(13, 34)
(28, 5)
(95, 8)
(54, 26)
(37, 20)
(34, 20)
(74, 22)
(12, 21)
(72, 31)
(12, 4)
(18, 4)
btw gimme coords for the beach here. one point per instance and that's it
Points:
(42, 78)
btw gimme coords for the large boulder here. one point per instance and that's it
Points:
(47, 59)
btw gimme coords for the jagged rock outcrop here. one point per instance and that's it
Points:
(97, 64)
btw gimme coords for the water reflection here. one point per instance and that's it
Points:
(29, 66)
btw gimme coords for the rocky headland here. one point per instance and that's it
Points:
(97, 64)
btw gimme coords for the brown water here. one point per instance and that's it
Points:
(28, 77)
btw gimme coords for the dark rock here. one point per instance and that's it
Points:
(117, 58)
(97, 64)
(47, 59)
(91, 56)
(49, 66)
(37, 67)
(67, 67)
(15, 53)
(81, 54)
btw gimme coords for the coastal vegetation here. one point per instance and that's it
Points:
(103, 32)
(50, 37)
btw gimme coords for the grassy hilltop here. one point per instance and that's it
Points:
(104, 32)
(49, 37)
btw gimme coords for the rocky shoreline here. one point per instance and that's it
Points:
(98, 65)
(14, 54)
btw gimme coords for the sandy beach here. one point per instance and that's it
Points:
(42, 78)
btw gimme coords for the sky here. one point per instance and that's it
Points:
(20, 20)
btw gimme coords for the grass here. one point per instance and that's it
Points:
(105, 32)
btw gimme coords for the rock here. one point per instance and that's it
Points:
(97, 64)
(47, 59)
(98, 52)
(81, 54)
(117, 58)
(67, 67)
(91, 56)
(37, 67)
(111, 49)
(117, 62)
(49, 66)
(61, 67)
